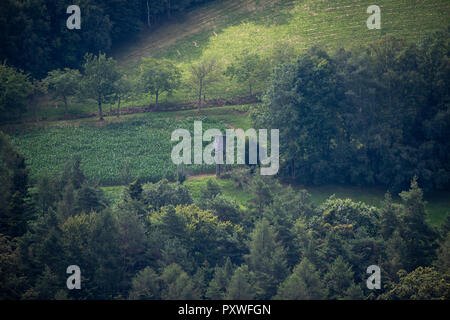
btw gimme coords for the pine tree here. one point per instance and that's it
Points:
(263, 194)
(241, 287)
(219, 283)
(11, 278)
(43, 257)
(177, 285)
(67, 205)
(90, 199)
(15, 210)
(443, 256)
(46, 194)
(303, 284)
(420, 239)
(267, 259)
(145, 285)
(135, 189)
(133, 243)
(339, 278)
(389, 220)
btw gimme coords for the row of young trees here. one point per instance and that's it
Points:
(100, 79)
(158, 243)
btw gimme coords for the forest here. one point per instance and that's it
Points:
(86, 177)
(34, 40)
(156, 242)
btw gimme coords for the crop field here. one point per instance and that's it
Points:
(112, 152)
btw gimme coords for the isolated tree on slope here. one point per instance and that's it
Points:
(123, 87)
(248, 69)
(99, 75)
(158, 76)
(203, 73)
(64, 83)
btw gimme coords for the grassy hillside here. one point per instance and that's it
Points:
(226, 28)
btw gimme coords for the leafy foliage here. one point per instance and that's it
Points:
(365, 117)
(15, 87)
(158, 76)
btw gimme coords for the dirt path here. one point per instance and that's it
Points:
(134, 110)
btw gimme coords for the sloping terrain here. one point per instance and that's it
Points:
(226, 28)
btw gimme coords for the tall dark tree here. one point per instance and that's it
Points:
(267, 259)
(15, 88)
(14, 198)
(420, 239)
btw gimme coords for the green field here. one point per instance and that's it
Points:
(225, 28)
(142, 141)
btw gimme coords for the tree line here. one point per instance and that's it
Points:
(157, 242)
(101, 80)
(376, 115)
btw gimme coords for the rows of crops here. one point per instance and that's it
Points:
(112, 154)
(332, 23)
(301, 23)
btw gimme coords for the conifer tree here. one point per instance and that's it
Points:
(303, 284)
(241, 287)
(339, 278)
(267, 259)
(419, 237)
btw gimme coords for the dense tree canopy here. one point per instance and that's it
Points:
(15, 88)
(158, 243)
(376, 116)
(35, 37)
